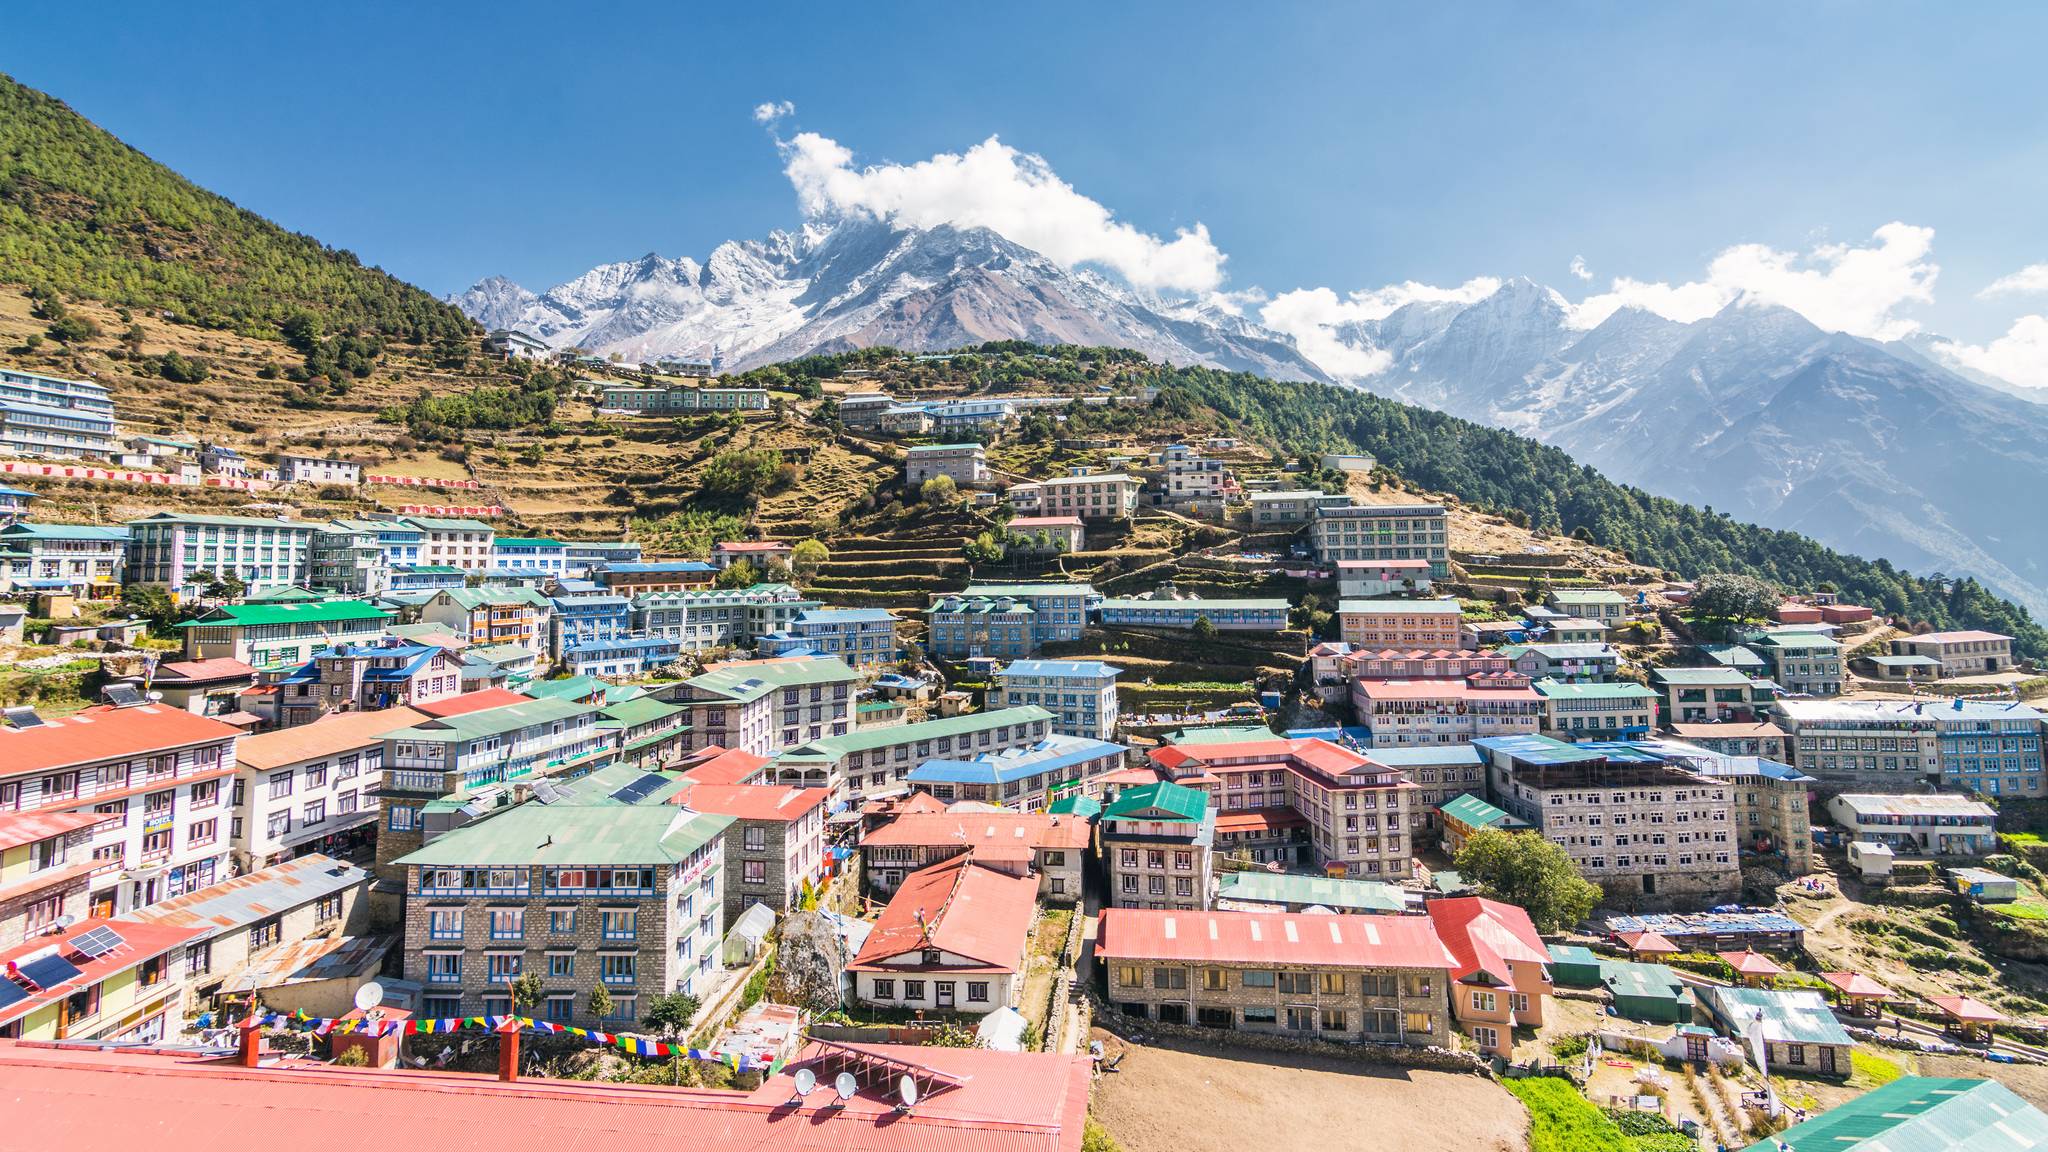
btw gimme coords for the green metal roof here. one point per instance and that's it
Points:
(1329, 891)
(743, 683)
(1702, 677)
(224, 521)
(1164, 801)
(447, 525)
(831, 748)
(500, 653)
(1015, 591)
(1587, 596)
(566, 835)
(493, 721)
(1223, 734)
(1799, 641)
(1790, 1016)
(1240, 605)
(1076, 804)
(322, 612)
(527, 542)
(641, 710)
(1618, 690)
(64, 532)
(1921, 1114)
(1647, 981)
(470, 599)
(1473, 812)
(572, 688)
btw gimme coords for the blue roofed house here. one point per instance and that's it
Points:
(388, 673)
(1080, 694)
(582, 620)
(620, 658)
(581, 557)
(14, 503)
(427, 578)
(860, 636)
(1027, 778)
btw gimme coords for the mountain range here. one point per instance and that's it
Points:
(1876, 449)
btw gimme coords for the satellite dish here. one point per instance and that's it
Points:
(906, 1090)
(845, 1085)
(369, 995)
(806, 1081)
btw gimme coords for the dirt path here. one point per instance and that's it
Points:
(1169, 1098)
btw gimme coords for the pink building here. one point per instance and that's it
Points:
(1501, 977)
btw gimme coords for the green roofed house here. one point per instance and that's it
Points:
(650, 732)
(1261, 891)
(1157, 840)
(268, 636)
(765, 706)
(624, 896)
(1803, 661)
(1239, 615)
(1709, 695)
(1469, 814)
(1651, 993)
(1574, 967)
(1076, 804)
(1799, 1031)
(582, 689)
(1920, 1114)
(1621, 710)
(1588, 603)
(169, 548)
(867, 763)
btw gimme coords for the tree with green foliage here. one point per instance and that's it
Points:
(807, 557)
(528, 991)
(744, 473)
(668, 1016)
(738, 574)
(1732, 598)
(1203, 629)
(600, 1002)
(1530, 872)
(939, 491)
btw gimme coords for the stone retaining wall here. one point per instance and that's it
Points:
(1399, 1055)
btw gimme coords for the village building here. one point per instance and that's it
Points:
(1761, 739)
(1383, 532)
(1441, 773)
(1771, 802)
(454, 541)
(277, 636)
(1082, 495)
(1348, 978)
(775, 849)
(1602, 604)
(1959, 653)
(45, 865)
(1638, 825)
(965, 464)
(625, 896)
(1927, 1113)
(83, 558)
(765, 706)
(1293, 506)
(1803, 662)
(1051, 846)
(869, 761)
(1415, 713)
(1360, 579)
(642, 577)
(312, 789)
(1021, 778)
(1796, 1029)
(1565, 662)
(719, 617)
(622, 658)
(1501, 978)
(1404, 624)
(489, 616)
(56, 418)
(952, 939)
(1466, 815)
(201, 687)
(296, 468)
(650, 733)
(1418, 664)
(1623, 710)
(1258, 890)
(759, 553)
(1156, 842)
(863, 637)
(593, 619)
(1080, 694)
(169, 547)
(1709, 695)
(1988, 746)
(366, 677)
(161, 779)
(97, 979)
(1940, 824)
(1225, 615)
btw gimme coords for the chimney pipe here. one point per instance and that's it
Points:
(251, 1040)
(508, 1049)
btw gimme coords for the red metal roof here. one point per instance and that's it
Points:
(472, 702)
(1486, 935)
(18, 828)
(1439, 690)
(1259, 820)
(753, 801)
(720, 766)
(1271, 938)
(205, 671)
(106, 733)
(967, 829)
(90, 1101)
(1966, 1008)
(140, 941)
(1857, 984)
(957, 907)
(1750, 963)
(1648, 942)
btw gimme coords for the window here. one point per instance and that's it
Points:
(885, 989)
(1130, 976)
(265, 933)
(280, 785)
(198, 958)
(279, 824)
(1483, 1001)
(619, 924)
(327, 908)
(202, 832)
(561, 1009)
(1333, 983)
(315, 812)
(1301, 1019)
(913, 989)
(444, 967)
(1215, 979)
(505, 965)
(1333, 1020)
(1297, 983)
(1256, 979)
(561, 921)
(1261, 1015)
(1170, 978)
(755, 838)
(753, 871)
(561, 964)
(617, 968)
(1486, 1037)
(508, 923)
(1420, 1023)
(444, 923)
(977, 991)
(1795, 1053)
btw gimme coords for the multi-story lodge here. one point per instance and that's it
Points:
(1570, 662)
(1293, 506)
(1942, 824)
(1770, 803)
(1084, 495)
(1007, 620)
(459, 543)
(759, 553)
(1502, 976)
(1803, 662)
(313, 788)
(1988, 746)
(1419, 663)
(1709, 695)
(1225, 615)
(1623, 710)
(624, 896)
(276, 636)
(160, 779)
(765, 706)
(489, 616)
(643, 577)
(1441, 774)
(965, 464)
(539, 555)
(1959, 653)
(718, 617)
(622, 657)
(1643, 828)
(169, 547)
(1602, 604)
(775, 847)
(1357, 579)
(1407, 624)
(50, 416)
(359, 677)
(1081, 694)
(1383, 532)
(1026, 778)
(45, 864)
(954, 939)
(1157, 841)
(80, 984)
(592, 619)
(863, 637)
(1052, 847)
(80, 557)
(1303, 802)
(1355, 978)
(296, 468)
(1764, 740)
(682, 398)
(872, 760)
(1412, 713)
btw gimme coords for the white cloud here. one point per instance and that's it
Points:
(1015, 194)
(2018, 357)
(1840, 287)
(772, 111)
(1579, 268)
(2028, 281)
(1310, 316)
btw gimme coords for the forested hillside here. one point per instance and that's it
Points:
(89, 217)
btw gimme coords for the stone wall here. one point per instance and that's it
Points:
(1401, 1055)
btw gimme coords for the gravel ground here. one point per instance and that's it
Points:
(1170, 1098)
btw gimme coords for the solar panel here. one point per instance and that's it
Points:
(48, 972)
(98, 942)
(21, 716)
(11, 993)
(640, 789)
(122, 695)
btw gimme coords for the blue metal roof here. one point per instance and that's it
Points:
(1087, 668)
(624, 644)
(1535, 749)
(569, 604)
(1453, 754)
(845, 616)
(1050, 754)
(656, 567)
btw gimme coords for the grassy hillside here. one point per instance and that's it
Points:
(88, 216)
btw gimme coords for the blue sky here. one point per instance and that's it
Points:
(1347, 149)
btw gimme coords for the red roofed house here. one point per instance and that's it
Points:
(98, 980)
(469, 702)
(1366, 978)
(45, 860)
(776, 844)
(1502, 974)
(1023, 843)
(1414, 713)
(1793, 612)
(952, 939)
(206, 687)
(160, 777)
(715, 765)
(726, 553)
(968, 1098)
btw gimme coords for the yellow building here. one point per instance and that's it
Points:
(97, 980)
(45, 864)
